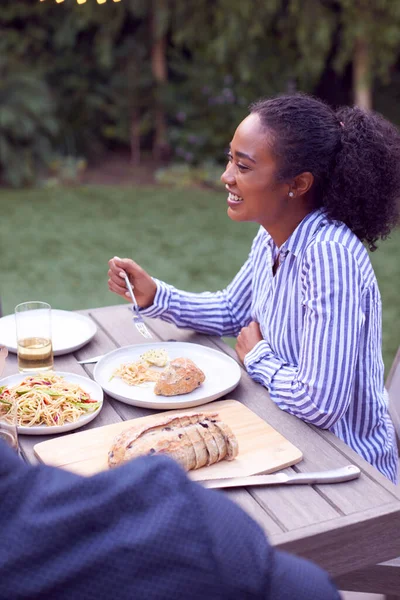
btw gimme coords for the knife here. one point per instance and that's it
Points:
(87, 361)
(335, 476)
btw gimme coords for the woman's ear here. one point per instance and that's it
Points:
(302, 184)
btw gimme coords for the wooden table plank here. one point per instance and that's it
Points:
(349, 543)
(370, 580)
(245, 501)
(100, 344)
(367, 469)
(117, 322)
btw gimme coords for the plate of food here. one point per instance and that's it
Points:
(166, 375)
(51, 402)
(70, 331)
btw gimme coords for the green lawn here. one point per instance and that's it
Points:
(55, 244)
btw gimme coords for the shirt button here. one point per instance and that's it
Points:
(284, 254)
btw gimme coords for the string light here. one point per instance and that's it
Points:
(83, 1)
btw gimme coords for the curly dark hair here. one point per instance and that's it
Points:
(353, 154)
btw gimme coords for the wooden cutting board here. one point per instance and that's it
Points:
(261, 448)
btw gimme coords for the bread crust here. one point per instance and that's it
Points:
(182, 376)
(194, 440)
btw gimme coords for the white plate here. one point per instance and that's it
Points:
(70, 331)
(88, 385)
(222, 375)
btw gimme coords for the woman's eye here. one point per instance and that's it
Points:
(242, 168)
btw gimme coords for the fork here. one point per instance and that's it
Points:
(137, 317)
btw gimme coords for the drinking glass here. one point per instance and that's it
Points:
(34, 344)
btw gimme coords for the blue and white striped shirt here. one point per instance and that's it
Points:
(320, 318)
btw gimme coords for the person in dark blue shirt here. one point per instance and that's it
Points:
(142, 531)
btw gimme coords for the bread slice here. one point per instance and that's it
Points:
(194, 440)
(219, 439)
(209, 442)
(199, 448)
(232, 447)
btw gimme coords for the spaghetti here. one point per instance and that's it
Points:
(47, 399)
(137, 373)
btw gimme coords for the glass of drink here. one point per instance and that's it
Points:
(34, 346)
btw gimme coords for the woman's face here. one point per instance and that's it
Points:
(249, 177)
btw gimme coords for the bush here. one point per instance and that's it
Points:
(207, 174)
(203, 112)
(27, 127)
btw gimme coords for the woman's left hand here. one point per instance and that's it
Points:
(248, 337)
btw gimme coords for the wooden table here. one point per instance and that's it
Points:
(342, 527)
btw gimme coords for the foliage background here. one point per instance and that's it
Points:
(171, 78)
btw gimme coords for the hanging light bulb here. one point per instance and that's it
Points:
(83, 1)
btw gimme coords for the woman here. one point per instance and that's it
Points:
(305, 306)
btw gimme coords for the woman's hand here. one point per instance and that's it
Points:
(144, 286)
(248, 337)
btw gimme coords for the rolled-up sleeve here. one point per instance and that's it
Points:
(221, 313)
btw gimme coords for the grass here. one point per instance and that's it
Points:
(55, 244)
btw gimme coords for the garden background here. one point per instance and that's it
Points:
(114, 120)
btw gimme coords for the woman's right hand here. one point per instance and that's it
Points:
(143, 285)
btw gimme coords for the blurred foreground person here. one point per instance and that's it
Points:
(305, 307)
(142, 531)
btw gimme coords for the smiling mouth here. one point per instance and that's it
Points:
(232, 198)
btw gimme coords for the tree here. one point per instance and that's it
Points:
(370, 39)
(159, 22)
(362, 33)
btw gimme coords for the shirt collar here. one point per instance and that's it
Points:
(304, 231)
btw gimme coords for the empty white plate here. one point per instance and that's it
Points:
(221, 371)
(70, 331)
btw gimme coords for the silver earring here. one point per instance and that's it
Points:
(291, 194)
